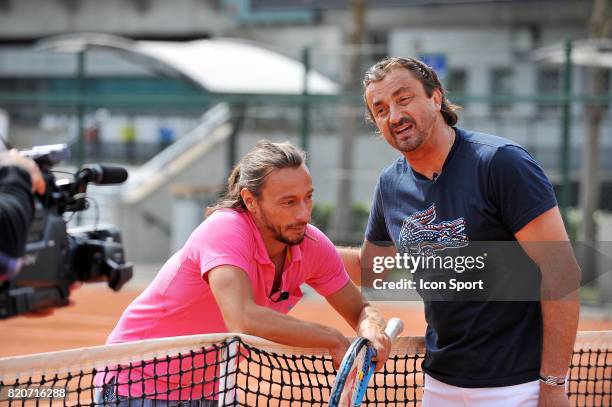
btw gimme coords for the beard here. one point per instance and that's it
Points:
(410, 143)
(277, 231)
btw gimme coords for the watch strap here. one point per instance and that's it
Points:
(553, 380)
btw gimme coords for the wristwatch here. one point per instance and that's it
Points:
(553, 380)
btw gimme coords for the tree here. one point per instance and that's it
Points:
(341, 220)
(600, 27)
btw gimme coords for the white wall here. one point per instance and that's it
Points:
(176, 17)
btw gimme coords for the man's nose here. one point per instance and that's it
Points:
(395, 115)
(303, 213)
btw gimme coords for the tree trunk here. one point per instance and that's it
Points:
(590, 184)
(341, 217)
(599, 26)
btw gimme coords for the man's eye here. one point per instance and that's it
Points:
(405, 99)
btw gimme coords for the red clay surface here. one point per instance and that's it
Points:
(96, 309)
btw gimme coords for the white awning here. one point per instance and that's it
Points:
(596, 53)
(218, 65)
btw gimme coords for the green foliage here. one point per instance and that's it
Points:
(360, 214)
(322, 218)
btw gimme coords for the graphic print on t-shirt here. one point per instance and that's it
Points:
(420, 235)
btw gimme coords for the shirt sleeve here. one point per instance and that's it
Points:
(223, 239)
(16, 209)
(376, 229)
(327, 274)
(520, 188)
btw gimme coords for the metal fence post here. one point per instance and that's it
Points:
(566, 122)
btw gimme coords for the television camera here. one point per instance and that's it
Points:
(57, 257)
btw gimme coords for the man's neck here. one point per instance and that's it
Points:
(429, 158)
(273, 246)
(276, 250)
(278, 256)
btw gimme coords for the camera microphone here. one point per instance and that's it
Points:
(58, 257)
(103, 174)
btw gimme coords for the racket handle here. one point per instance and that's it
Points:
(395, 326)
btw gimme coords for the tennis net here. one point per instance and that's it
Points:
(230, 370)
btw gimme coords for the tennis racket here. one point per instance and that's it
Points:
(357, 368)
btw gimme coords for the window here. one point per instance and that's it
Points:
(378, 47)
(22, 84)
(549, 86)
(456, 81)
(502, 86)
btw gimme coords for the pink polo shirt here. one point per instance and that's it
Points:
(179, 300)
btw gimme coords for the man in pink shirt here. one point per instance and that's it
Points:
(241, 271)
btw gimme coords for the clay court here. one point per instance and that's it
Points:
(96, 309)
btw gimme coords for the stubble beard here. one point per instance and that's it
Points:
(277, 232)
(412, 143)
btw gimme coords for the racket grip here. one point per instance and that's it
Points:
(395, 326)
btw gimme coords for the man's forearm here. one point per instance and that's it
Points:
(560, 302)
(287, 330)
(560, 323)
(351, 257)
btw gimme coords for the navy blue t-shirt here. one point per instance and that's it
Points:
(489, 189)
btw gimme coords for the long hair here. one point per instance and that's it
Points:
(422, 72)
(253, 169)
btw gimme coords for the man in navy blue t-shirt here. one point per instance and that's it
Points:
(453, 187)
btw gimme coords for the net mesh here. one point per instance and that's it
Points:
(242, 370)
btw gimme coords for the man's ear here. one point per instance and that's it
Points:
(248, 198)
(437, 98)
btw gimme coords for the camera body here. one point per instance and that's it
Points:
(57, 257)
